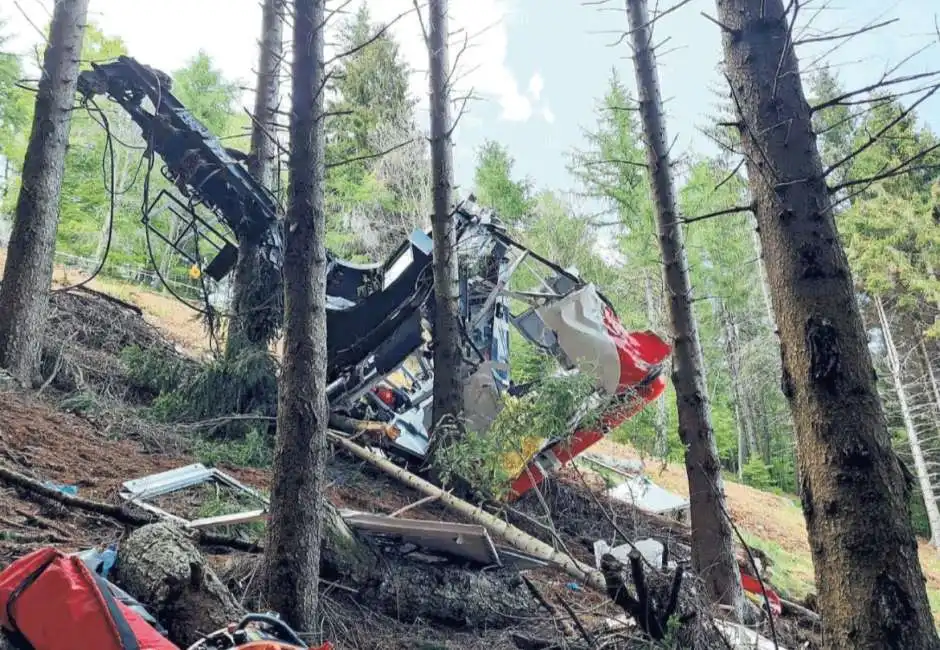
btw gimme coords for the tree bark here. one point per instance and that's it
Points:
(252, 324)
(165, 571)
(913, 437)
(292, 555)
(654, 317)
(712, 537)
(27, 275)
(447, 358)
(931, 377)
(854, 493)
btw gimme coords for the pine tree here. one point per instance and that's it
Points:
(28, 271)
(871, 586)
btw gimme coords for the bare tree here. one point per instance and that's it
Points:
(292, 553)
(910, 427)
(447, 356)
(713, 553)
(254, 315)
(28, 271)
(855, 491)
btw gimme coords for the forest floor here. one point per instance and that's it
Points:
(772, 522)
(95, 448)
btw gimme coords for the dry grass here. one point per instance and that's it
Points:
(771, 522)
(177, 321)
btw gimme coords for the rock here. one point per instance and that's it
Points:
(165, 571)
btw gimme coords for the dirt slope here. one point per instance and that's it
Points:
(772, 522)
(177, 321)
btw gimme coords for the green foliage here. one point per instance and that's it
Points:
(183, 391)
(244, 385)
(612, 167)
(255, 449)
(757, 474)
(548, 411)
(371, 112)
(15, 105)
(494, 187)
(206, 92)
(155, 371)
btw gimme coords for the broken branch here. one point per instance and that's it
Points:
(520, 540)
(552, 611)
(718, 213)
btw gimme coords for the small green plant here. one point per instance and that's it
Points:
(490, 460)
(253, 450)
(81, 402)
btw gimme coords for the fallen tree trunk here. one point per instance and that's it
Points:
(162, 568)
(410, 590)
(506, 531)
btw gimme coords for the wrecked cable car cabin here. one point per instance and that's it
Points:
(380, 316)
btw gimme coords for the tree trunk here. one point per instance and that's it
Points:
(742, 408)
(712, 537)
(447, 357)
(762, 272)
(931, 377)
(164, 570)
(27, 275)
(654, 317)
(292, 555)
(252, 324)
(854, 494)
(913, 438)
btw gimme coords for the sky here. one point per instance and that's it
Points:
(537, 66)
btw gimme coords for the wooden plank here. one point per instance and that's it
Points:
(230, 519)
(469, 541)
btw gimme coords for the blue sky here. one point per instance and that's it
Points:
(539, 65)
(570, 48)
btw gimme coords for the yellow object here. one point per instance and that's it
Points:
(515, 462)
(398, 380)
(194, 272)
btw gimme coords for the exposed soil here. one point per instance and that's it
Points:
(98, 450)
(769, 516)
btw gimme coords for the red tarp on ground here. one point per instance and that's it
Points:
(54, 602)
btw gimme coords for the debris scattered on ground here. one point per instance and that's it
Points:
(82, 450)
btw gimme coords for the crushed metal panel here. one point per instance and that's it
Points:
(641, 492)
(162, 483)
(469, 541)
(173, 480)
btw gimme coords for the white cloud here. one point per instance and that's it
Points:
(548, 115)
(145, 26)
(480, 26)
(536, 85)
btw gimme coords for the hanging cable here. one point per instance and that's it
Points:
(109, 152)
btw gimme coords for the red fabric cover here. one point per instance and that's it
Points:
(61, 607)
(752, 585)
